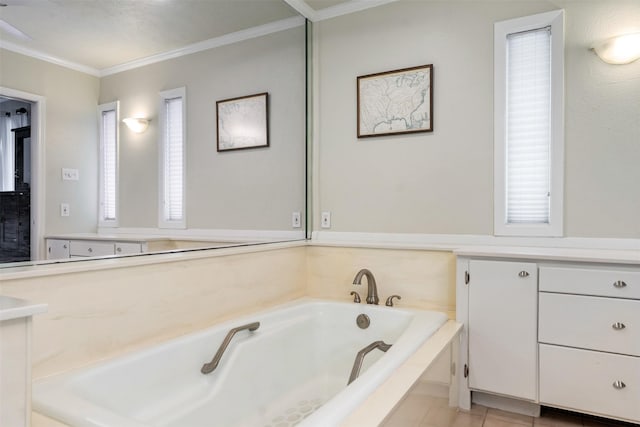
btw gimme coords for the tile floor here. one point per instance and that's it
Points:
(418, 411)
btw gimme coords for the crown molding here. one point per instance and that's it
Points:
(349, 7)
(49, 58)
(303, 8)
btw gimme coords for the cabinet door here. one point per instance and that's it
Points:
(503, 356)
(57, 249)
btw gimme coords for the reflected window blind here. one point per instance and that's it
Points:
(174, 162)
(528, 126)
(109, 165)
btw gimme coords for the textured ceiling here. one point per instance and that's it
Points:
(104, 33)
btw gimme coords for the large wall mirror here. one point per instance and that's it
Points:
(63, 63)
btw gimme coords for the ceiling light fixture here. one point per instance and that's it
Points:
(136, 124)
(619, 50)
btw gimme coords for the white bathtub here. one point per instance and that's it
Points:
(293, 370)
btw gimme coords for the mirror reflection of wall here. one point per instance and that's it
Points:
(230, 197)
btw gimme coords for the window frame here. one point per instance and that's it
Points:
(164, 96)
(554, 20)
(102, 222)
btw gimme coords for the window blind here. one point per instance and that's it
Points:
(109, 164)
(174, 162)
(528, 128)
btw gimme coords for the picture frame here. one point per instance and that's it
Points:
(243, 122)
(395, 102)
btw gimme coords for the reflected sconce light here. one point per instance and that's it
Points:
(619, 50)
(137, 125)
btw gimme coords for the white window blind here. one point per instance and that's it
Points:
(109, 159)
(528, 130)
(173, 209)
(529, 125)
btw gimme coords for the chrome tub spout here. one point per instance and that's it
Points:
(207, 368)
(372, 288)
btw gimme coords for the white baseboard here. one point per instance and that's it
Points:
(506, 404)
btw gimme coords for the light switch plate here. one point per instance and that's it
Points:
(64, 209)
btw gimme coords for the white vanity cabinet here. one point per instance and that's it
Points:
(558, 328)
(503, 311)
(81, 248)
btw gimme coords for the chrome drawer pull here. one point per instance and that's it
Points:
(619, 284)
(523, 274)
(618, 326)
(619, 385)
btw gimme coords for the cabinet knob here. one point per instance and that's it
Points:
(90, 250)
(618, 326)
(619, 385)
(619, 284)
(523, 274)
(119, 249)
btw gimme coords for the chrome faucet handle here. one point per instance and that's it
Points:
(356, 297)
(389, 302)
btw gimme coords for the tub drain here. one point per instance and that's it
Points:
(363, 321)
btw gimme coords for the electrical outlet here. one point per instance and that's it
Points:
(70, 174)
(325, 220)
(64, 209)
(295, 219)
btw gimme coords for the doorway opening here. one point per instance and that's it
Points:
(22, 174)
(15, 180)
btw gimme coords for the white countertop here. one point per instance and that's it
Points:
(14, 308)
(629, 256)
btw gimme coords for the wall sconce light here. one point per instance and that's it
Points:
(619, 50)
(137, 125)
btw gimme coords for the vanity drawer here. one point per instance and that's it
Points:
(587, 381)
(127, 248)
(617, 283)
(89, 248)
(607, 324)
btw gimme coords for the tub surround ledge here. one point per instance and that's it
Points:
(15, 360)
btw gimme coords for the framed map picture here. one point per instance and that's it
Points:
(243, 122)
(396, 102)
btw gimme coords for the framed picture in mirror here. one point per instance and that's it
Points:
(243, 122)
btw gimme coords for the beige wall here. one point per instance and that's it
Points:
(442, 182)
(70, 136)
(246, 189)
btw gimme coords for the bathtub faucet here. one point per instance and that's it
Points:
(372, 289)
